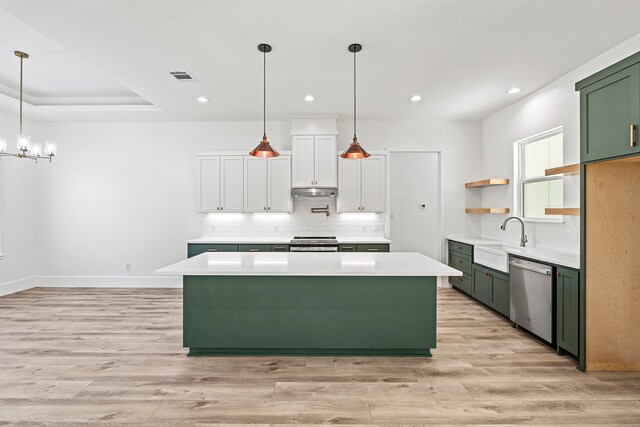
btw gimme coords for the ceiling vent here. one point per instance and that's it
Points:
(183, 76)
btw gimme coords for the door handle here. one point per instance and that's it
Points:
(212, 250)
(459, 261)
(254, 250)
(632, 135)
(373, 249)
(347, 247)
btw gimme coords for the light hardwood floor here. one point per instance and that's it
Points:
(114, 357)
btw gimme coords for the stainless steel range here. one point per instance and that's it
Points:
(314, 244)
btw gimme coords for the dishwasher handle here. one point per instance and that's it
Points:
(534, 269)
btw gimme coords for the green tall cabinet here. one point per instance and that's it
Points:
(610, 114)
(567, 299)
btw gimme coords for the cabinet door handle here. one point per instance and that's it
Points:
(254, 250)
(347, 247)
(632, 136)
(212, 250)
(459, 261)
(373, 249)
(558, 274)
(458, 248)
(279, 247)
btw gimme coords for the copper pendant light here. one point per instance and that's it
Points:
(354, 151)
(264, 149)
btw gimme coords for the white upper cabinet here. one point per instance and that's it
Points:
(303, 169)
(279, 184)
(219, 183)
(267, 184)
(314, 161)
(373, 174)
(362, 184)
(231, 183)
(208, 183)
(255, 184)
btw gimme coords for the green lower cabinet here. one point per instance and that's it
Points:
(491, 288)
(481, 284)
(567, 298)
(372, 248)
(194, 249)
(347, 248)
(500, 293)
(254, 248)
(462, 282)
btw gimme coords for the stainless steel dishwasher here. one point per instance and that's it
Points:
(532, 297)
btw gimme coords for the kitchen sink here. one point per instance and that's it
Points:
(494, 256)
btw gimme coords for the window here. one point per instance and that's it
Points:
(537, 191)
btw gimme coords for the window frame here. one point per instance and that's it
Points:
(518, 162)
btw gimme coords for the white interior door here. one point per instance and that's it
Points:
(207, 183)
(349, 185)
(231, 183)
(280, 184)
(374, 181)
(302, 150)
(415, 180)
(326, 161)
(255, 184)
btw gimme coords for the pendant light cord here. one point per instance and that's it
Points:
(354, 94)
(264, 94)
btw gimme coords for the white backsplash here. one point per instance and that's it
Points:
(299, 223)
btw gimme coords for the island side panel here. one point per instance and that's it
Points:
(373, 315)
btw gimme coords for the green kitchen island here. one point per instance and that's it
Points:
(300, 303)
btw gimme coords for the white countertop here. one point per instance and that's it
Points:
(280, 240)
(308, 264)
(553, 256)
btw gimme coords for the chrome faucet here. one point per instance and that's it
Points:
(523, 237)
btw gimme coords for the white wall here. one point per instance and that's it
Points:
(17, 214)
(556, 104)
(123, 193)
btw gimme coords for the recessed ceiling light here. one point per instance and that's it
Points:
(415, 98)
(513, 90)
(203, 99)
(309, 98)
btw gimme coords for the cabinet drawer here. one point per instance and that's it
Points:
(460, 262)
(372, 248)
(461, 248)
(280, 248)
(347, 248)
(254, 248)
(194, 249)
(462, 282)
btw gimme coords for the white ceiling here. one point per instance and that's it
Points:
(110, 59)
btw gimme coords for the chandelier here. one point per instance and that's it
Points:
(27, 150)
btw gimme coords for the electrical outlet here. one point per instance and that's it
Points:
(378, 227)
(127, 267)
(276, 228)
(212, 228)
(364, 228)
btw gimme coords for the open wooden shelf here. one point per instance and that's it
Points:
(487, 182)
(562, 211)
(487, 210)
(563, 170)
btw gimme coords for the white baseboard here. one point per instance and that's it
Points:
(108, 282)
(443, 282)
(17, 285)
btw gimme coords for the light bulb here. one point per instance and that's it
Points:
(24, 142)
(36, 149)
(3, 145)
(50, 148)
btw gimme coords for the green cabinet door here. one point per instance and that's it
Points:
(194, 249)
(373, 248)
(347, 248)
(499, 298)
(280, 248)
(610, 115)
(254, 248)
(567, 294)
(481, 284)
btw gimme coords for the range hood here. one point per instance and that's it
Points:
(314, 192)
